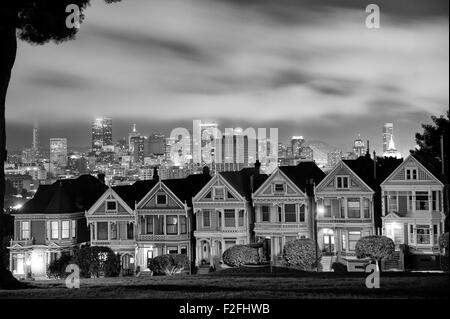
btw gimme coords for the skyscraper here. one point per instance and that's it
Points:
(388, 132)
(297, 143)
(35, 146)
(131, 135)
(58, 151)
(101, 134)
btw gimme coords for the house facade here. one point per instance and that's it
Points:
(51, 224)
(413, 213)
(284, 207)
(345, 213)
(222, 216)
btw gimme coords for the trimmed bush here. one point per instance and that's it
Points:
(97, 261)
(339, 267)
(443, 240)
(301, 253)
(239, 255)
(374, 247)
(57, 268)
(169, 264)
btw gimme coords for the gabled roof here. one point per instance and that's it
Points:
(364, 168)
(134, 193)
(65, 196)
(302, 173)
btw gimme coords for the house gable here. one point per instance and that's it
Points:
(160, 197)
(278, 178)
(218, 185)
(355, 183)
(99, 208)
(409, 167)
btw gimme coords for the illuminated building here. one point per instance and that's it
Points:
(58, 151)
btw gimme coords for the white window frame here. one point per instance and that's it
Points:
(111, 210)
(203, 218)
(73, 228)
(342, 177)
(165, 202)
(275, 191)
(215, 188)
(409, 171)
(65, 229)
(53, 230)
(423, 226)
(23, 230)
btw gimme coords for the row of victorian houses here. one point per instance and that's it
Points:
(202, 215)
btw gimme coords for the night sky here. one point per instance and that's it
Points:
(310, 68)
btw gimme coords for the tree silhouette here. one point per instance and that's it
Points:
(37, 22)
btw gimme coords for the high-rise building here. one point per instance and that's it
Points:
(35, 144)
(296, 144)
(359, 147)
(58, 151)
(391, 150)
(388, 132)
(102, 134)
(334, 157)
(131, 135)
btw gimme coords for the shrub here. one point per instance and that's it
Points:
(339, 267)
(301, 253)
(96, 261)
(375, 248)
(57, 268)
(169, 264)
(239, 255)
(443, 241)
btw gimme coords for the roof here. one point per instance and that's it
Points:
(364, 168)
(65, 196)
(132, 194)
(302, 173)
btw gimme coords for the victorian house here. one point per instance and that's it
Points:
(345, 213)
(222, 214)
(112, 221)
(52, 223)
(164, 219)
(413, 213)
(284, 206)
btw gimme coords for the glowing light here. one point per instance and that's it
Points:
(320, 210)
(17, 207)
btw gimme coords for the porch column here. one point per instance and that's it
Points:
(11, 256)
(361, 207)
(236, 217)
(222, 216)
(430, 201)
(344, 204)
(197, 252)
(109, 231)
(164, 224)
(95, 230)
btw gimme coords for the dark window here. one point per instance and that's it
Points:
(206, 219)
(302, 213)
(161, 199)
(183, 250)
(241, 218)
(102, 231)
(183, 225)
(158, 225)
(111, 205)
(279, 187)
(149, 221)
(130, 231)
(289, 213)
(229, 218)
(265, 213)
(172, 225)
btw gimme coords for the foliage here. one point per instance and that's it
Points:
(301, 253)
(96, 261)
(339, 267)
(443, 241)
(239, 255)
(374, 247)
(169, 264)
(430, 140)
(57, 268)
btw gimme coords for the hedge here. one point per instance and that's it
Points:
(169, 264)
(375, 248)
(96, 261)
(443, 241)
(301, 253)
(57, 268)
(239, 255)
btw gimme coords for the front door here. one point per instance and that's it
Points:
(149, 256)
(328, 244)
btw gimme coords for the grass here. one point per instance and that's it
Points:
(281, 283)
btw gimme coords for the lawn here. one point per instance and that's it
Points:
(246, 283)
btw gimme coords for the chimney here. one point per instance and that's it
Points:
(155, 174)
(206, 170)
(101, 178)
(257, 167)
(374, 165)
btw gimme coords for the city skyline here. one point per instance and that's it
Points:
(317, 72)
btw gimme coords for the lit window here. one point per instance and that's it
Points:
(172, 225)
(353, 238)
(161, 199)
(353, 208)
(54, 230)
(26, 230)
(327, 207)
(423, 234)
(74, 228)
(65, 229)
(342, 182)
(392, 201)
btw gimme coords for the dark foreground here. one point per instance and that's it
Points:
(248, 283)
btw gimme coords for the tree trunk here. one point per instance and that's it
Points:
(8, 48)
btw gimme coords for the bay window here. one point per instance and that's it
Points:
(183, 225)
(102, 231)
(113, 235)
(302, 214)
(74, 228)
(25, 226)
(65, 229)
(54, 230)
(353, 237)
(265, 214)
(366, 208)
(171, 225)
(392, 202)
(206, 218)
(241, 218)
(422, 201)
(290, 213)
(423, 234)
(149, 224)
(353, 208)
(230, 220)
(327, 207)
